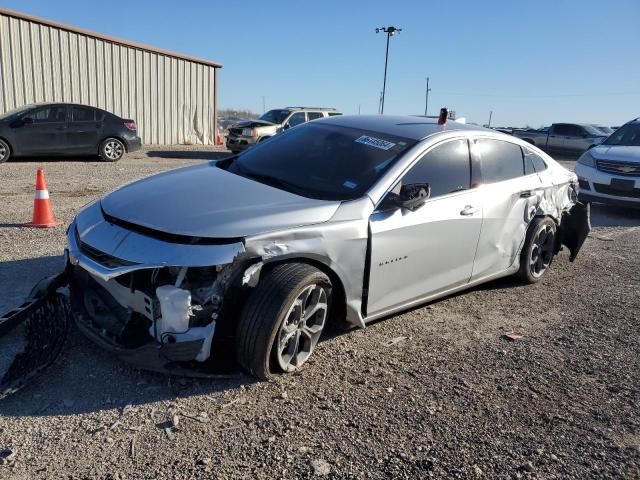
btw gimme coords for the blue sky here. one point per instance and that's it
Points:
(529, 62)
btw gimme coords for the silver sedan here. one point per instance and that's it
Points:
(346, 219)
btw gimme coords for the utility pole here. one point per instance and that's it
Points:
(426, 99)
(264, 108)
(490, 115)
(390, 31)
(358, 109)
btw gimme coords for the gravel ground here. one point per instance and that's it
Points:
(434, 392)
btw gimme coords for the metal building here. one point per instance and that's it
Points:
(171, 96)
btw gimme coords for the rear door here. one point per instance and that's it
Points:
(84, 130)
(510, 195)
(415, 254)
(44, 131)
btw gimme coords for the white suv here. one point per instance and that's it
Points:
(610, 172)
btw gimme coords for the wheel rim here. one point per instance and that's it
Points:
(3, 151)
(542, 251)
(113, 150)
(301, 328)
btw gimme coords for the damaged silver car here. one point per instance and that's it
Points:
(345, 218)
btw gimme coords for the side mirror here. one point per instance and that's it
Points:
(286, 126)
(412, 196)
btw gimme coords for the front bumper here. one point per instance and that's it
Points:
(600, 187)
(240, 143)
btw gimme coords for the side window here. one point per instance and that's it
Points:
(49, 115)
(575, 131)
(314, 115)
(560, 129)
(446, 168)
(83, 114)
(334, 114)
(500, 160)
(535, 161)
(296, 119)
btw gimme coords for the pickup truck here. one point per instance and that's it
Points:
(563, 137)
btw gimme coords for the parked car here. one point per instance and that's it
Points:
(353, 218)
(610, 172)
(563, 137)
(251, 132)
(66, 129)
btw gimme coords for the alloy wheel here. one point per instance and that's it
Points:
(113, 150)
(542, 251)
(301, 328)
(3, 151)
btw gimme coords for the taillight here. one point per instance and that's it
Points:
(130, 124)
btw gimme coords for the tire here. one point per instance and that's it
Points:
(538, 250)
(273, 335)
(5, 151)
(112, 150)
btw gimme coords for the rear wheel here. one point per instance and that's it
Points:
(538, 250)
(112, 150)
(283, 320)
(5, 151)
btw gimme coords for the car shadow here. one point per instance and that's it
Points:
(56, 158)
(189, 154)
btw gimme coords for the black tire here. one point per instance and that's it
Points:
(5, 151)
(538, 250)
(112, 150)
(263, 316)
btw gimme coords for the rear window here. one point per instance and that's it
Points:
(322, 161)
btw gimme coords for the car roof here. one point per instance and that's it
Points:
(415, 127)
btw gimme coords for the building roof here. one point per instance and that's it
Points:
(415, 128)
(106, 38)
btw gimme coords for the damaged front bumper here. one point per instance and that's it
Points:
(40, 326)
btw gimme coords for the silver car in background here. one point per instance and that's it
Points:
(351, 218)
(610, 172)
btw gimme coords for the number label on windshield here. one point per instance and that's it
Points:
(375, 142)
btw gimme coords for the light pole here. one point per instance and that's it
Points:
(390, 31)
(426, 98)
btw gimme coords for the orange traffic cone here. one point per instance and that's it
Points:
(42, 211)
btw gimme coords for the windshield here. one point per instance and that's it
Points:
(603, 129)
(15, 111)
(275, 116)
(326, 162)
(628, 136)
(591, 130)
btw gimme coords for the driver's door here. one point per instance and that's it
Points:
(416, 254)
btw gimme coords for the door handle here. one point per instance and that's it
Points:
(468, 210)
(527, 194)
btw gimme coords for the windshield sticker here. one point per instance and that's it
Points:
(375, 142)
(350, 184)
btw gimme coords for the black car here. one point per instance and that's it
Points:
(66, 129)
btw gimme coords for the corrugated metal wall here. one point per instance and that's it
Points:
(171, 99)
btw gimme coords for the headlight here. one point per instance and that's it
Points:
(249, 132)
(587, 160)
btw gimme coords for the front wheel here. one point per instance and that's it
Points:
(538, 250)
(112, 150)
(5, 151)
(283, 319)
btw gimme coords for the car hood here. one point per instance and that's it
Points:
(616, 153)
(207, 201)
(252, 124)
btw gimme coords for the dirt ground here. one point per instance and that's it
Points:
(435, 392)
